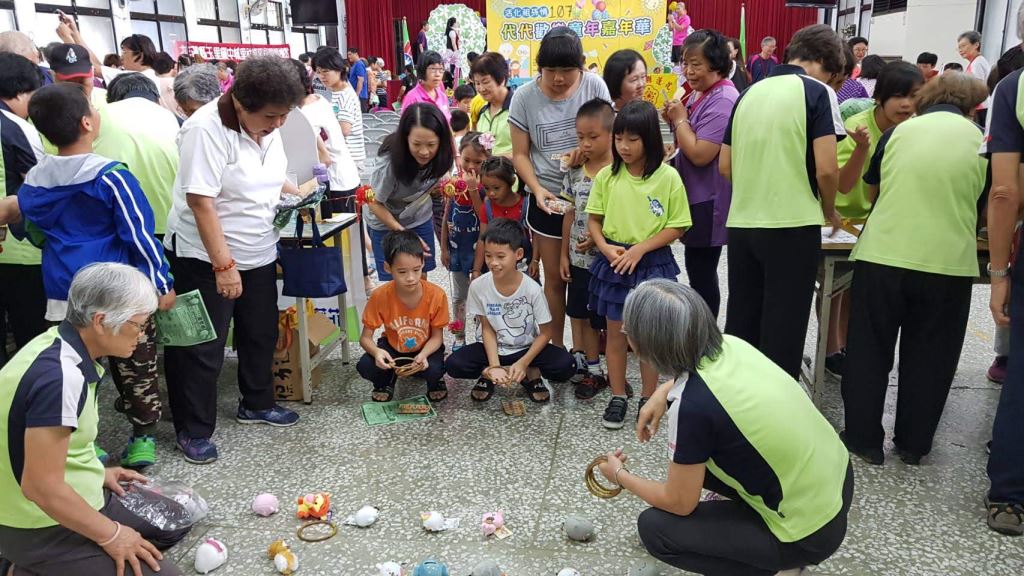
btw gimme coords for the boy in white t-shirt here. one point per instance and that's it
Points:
(514, 341)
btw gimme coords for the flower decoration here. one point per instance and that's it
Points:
(449, 189)
(461, 186)
(487, 140)
(364, 196)
(457, 328)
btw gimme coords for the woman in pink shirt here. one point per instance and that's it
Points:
(430, 71)
(679, 21)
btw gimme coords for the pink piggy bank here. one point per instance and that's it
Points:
(491, 522)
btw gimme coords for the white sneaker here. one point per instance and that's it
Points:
(794, 572)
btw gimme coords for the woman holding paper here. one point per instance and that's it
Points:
(222, 242)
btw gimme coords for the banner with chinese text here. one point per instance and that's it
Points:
(236, 52)
(515, 29)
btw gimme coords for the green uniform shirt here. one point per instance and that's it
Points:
(770, 136)
(756, 430)
(855, 204)
(930, 177)
(636, 209)
(51, 382)
(497, 124)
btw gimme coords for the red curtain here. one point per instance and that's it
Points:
(764, 18)
(370, 28)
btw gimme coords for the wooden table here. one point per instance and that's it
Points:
(334, 228)
(835, 276)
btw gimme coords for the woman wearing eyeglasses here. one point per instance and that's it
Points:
(59, 510)
(430, 72)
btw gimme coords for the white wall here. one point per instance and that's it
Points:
(1000, 29)
(926, 26)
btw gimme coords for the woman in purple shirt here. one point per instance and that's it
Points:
(699, 124)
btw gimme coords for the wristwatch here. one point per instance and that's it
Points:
(997, 273)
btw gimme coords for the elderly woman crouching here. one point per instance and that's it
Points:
(58, 510)
(739, 426)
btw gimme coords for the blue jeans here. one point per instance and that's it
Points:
(425, 231)
(1006, 464)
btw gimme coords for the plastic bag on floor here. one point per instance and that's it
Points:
(165, 505)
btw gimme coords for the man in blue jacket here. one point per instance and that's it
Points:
(82, 208)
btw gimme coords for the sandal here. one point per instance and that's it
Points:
(387, 392)
(484, 386)
(536, 390)
(437, 391)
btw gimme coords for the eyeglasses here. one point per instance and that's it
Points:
(141, 327)
(435, 69)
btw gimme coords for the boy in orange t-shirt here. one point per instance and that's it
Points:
(414, 314)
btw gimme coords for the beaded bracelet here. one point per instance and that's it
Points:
(224, 268)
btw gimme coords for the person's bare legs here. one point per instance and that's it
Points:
(615, 355)
(554, 287)
(579, 333)
(649, 377)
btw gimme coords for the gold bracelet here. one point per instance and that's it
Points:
(594, 486)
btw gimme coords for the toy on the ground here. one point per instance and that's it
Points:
(569, 572)
(491, 522)
(210, 555)
(265, 504)
(430, 567)
(487, 568)
(365, 516)
(314, 506)
(433, 521)
(578, 528)
(390, 569)
(284, 559)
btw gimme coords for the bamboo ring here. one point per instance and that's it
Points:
(300, 532)
(487, 372)
(594, 486)
(406, 366)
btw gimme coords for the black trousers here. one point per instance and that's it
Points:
(192, 372)
(367, 366)
(22, 305)
(702, 269)
(729, 538)
(771, 285)
(468, 362)
(1004, 465)
(928, 312)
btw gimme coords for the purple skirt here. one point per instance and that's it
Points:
(608, 289)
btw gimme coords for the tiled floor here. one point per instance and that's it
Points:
(473, 459)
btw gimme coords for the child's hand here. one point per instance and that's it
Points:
(384, 360)
(626, 263)
(446, 258)
(534, 269)
(498, 375)
(420, 360)
(861, 136)
(563, 268)
(472, 182)
(516, 373)
(612, 253)
(585, 244)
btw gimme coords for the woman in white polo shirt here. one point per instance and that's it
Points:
(221, 240)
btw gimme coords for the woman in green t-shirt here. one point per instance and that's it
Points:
(741, 427)
(895, 103)
(916, 260)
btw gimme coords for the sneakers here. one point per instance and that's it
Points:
(590, 386)
(615, 413)
(834, 363)
(141, 452)
(581, 366)
(101, 454)
(197, 450)
(1005, 518)
(997, 371)
(276, 416)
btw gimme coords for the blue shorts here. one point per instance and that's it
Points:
(425, 231)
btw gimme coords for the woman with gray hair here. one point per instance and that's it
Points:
(741, 427)
(194, 87)
(58, 510)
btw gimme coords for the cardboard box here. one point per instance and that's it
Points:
(287, 371)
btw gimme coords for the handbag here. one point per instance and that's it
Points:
(314, 271)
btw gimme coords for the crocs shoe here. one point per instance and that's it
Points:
(141, 452)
